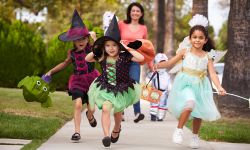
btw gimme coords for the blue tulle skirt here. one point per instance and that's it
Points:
(187, 87)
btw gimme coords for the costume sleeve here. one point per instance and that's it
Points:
(126, 56)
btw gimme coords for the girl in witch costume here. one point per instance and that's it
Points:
(113, 88)
(191, 96)
(84, 72)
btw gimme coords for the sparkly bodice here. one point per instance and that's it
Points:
(115, 75)
(195, 62)
(79, 63)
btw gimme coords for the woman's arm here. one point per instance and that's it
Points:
(90, 57)
(60, 66)
(215, 78)
(171, 62)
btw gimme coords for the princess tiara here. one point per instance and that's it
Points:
(198, 20)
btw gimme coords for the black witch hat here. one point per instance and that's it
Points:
(112, 33)
(76, 31)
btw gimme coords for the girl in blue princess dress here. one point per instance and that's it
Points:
(191, 96)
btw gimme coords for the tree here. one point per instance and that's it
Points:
(236, 78)
(200, 7)
(160, 26)
(169, 28)
(154, 20)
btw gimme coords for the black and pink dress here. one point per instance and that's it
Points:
(84, 74)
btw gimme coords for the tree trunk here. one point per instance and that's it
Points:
(160, 26)
(169, 28)
(236, 78)
(200, 7)
(155, 14)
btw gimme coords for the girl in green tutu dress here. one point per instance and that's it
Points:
(191, 96)
(113, 89)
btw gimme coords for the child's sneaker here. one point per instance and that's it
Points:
(177, 136)
(153, 118)
(195, 141)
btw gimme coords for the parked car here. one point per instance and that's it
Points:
(219, 68)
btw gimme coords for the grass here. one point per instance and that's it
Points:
(28, 120)
(233, 130)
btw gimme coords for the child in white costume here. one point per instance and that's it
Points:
(158, 110)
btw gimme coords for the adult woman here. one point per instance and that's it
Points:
(131, 29)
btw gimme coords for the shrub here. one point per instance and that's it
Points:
(22, 53)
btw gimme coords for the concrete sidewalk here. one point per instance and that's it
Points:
(145, 135)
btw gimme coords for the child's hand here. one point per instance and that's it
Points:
(48, 73)
(124, 44)
(93, 35)
(155, 67)
(221, 91)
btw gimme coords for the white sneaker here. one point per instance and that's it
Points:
(177, 136)
(195, 141)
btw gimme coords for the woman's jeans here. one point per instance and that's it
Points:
(134, 73)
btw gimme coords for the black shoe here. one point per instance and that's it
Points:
(160, 120)
(92, 121)
(106, 141)
(76, 137)
(139, 117)
(114, 140)
(153, 118)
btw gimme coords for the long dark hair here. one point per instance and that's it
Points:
(210, 44)
(128, 20)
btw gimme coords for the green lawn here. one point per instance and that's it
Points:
(28, 120)
(233, 130)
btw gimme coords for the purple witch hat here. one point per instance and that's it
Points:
(76, 31)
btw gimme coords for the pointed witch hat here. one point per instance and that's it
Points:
(76, 31)
(112, 33)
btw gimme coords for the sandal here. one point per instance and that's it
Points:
(114, 140)
(106, 141)
(92, 121)
(76, 137)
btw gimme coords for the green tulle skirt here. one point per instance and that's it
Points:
(186, 88)
(119, 102)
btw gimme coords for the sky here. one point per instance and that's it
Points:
(216, 15)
